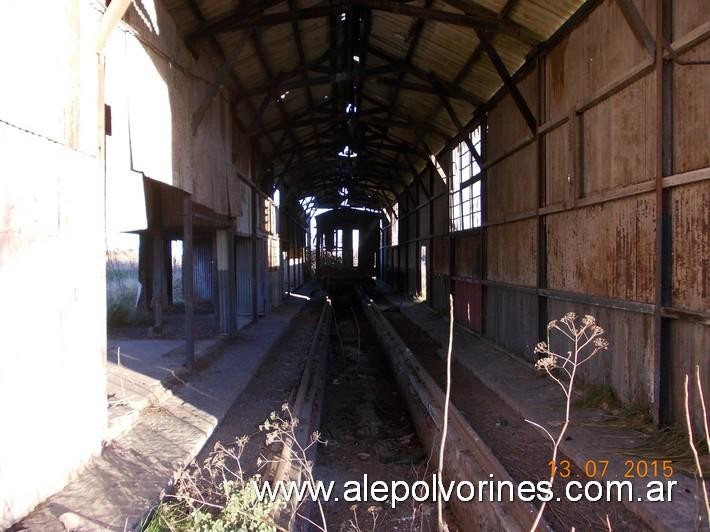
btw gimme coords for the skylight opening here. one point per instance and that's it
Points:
(356, 58)
(347, 152)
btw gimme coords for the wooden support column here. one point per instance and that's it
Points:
(432, 229)
(288, 265)
(158, 269)
(145, 271)
(158, 266)
(484, 220)
(111, 17)
(187, 281)
(542, 314)
(662, 362)
(254, 246)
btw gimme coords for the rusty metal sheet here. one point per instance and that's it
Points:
(688, 347)
(441, 255)
(690, 226)
(506, 125)
(627, 367)
(691, 112)
(605, 250)
(467, 303)
(511, 320)
(618, 149)
(512, 252)
(510, 190)
(468, 254)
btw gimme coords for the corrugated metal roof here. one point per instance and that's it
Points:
(438, 50)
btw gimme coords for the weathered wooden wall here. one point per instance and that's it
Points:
(571, 213)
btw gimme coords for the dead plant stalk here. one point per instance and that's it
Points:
(701, 477)
(445, 427)
(583, 338)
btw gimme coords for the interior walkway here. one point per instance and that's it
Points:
(515, 382)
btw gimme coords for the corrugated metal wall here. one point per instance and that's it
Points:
(203, 270)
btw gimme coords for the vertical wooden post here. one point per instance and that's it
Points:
(289, 251)
(158, 270)
(484, 222)
(187, 281)
(254, 272)
(542, 314)
(661, 366)
(432, 230)
(158, 265)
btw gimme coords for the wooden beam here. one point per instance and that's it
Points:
(214, 89)
(508, 81)
(487, 22)
(326, 79)
(637, 25)
(407, 67)
(457, 122)
(428, 89)
(110, 19)
(512, 29)
(248, 19)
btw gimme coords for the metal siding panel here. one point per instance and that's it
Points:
(690, 207)
(627, 367)
(511, 320)
(512, 252)
(467, 303)
(604, 250)
(202, 272)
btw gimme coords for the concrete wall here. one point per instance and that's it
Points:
(52, 253)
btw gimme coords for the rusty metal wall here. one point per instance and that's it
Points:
(439, 292)
(605, 250)
(467, 303)
(627, 367)
(468, 256)
(511, 320)
(570, 213)
(441, 256)
(512, 252)
(690, 210)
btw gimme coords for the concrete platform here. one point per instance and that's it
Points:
(142, 374)
(520, 386)
(178, 413)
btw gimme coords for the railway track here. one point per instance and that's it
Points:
(467, 457)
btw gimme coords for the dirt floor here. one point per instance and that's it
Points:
(369, 431)
(271, 387)
(520, 448)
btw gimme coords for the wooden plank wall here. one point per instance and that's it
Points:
(586, 213)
